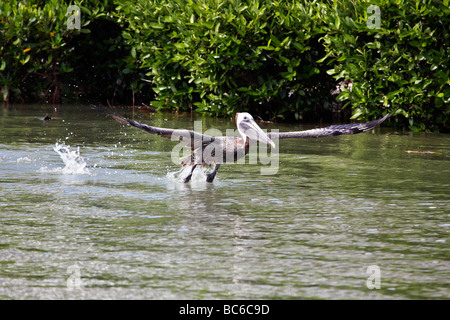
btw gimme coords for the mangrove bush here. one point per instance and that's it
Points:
(276, 59)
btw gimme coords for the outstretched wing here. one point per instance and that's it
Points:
(334, 130)
(191, 138)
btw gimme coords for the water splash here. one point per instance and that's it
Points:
(24, 160)
(73, 161)
(199, 174)
(197, 182)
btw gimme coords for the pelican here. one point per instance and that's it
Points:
(205, 148)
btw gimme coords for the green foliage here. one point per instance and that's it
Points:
(279, 58)
(403, 64)
(32, 45)
(227, 56)
(272, 58)
(41, 59)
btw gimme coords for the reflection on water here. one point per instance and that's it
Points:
(129, 229)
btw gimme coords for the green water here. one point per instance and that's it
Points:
(124, 228)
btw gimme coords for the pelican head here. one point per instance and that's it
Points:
(248, 128)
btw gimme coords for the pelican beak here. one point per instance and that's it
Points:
(254, 132)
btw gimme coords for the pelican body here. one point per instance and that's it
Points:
(208, 150)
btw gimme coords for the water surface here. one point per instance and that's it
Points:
(115, 223)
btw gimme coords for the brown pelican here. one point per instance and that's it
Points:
(208, 150)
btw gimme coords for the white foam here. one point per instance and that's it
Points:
(199, 174)
(73, 161)
(24, 160)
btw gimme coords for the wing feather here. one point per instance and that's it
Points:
(191, 138)
(334, 130)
